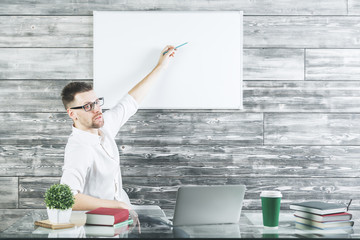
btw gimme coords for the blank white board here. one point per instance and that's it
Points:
(206, 73)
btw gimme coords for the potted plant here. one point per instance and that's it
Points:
(59, 201)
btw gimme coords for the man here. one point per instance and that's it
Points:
(91, 162)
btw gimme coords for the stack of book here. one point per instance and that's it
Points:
(107, 222)
(321, 216)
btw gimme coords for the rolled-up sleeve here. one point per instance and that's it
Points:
(117, 116)
(77, 163)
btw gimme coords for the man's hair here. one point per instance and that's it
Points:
(69, 91)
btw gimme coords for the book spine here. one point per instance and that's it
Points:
(45, 225)
(319, 211)
(305, 209)
(308, 227)
(324, 225)
(310, 216)
(324, 217)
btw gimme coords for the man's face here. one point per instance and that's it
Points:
(86, 120)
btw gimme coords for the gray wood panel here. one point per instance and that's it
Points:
(194, 128)
(142, 128)
(332, 64)
(48, 63)
(32, 191)
(259, 7)
(34, 128)
(301, 32)
(301, 96)
(244, 161)
(31, 160)
(194, 160)
(46, 31)
(10, 216)
(312, 129)
(162, 190)
(45, 63)
(258, 96)
(21, 228)
(259, 31)
(8, 192)
(273, 64)
(353, 7)
(32, 95)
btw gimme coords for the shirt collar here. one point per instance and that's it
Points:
(87, 137)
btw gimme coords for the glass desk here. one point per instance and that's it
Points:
(250, 226)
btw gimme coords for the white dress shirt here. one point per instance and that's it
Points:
(92, 162)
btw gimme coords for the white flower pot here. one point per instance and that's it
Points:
(59, 216)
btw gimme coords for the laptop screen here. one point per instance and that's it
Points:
(198, 205)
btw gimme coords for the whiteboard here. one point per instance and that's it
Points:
(206, 73)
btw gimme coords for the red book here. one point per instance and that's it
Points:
(106, 216)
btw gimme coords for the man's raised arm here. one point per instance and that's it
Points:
(142, 88)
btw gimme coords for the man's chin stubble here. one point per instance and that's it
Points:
(94, 125)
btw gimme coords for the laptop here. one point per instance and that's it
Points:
(198, 205)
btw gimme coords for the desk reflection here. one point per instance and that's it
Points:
(250, 225)
(75, 232)
(208, 231)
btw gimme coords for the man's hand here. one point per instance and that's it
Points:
(165, 58)
(134, 216)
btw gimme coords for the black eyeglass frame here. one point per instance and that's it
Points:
(99, 101)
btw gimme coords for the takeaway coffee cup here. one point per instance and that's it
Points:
(270, 203)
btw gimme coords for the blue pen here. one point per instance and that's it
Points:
(176, 47)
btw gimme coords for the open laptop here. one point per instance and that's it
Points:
(198, 205)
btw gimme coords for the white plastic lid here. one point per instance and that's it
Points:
(271, 194)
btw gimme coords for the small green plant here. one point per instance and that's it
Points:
(59, 196)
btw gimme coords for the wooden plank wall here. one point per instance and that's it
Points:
(299, 131)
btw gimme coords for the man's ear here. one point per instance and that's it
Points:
(71, 114)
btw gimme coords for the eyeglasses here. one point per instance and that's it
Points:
(90, 106)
